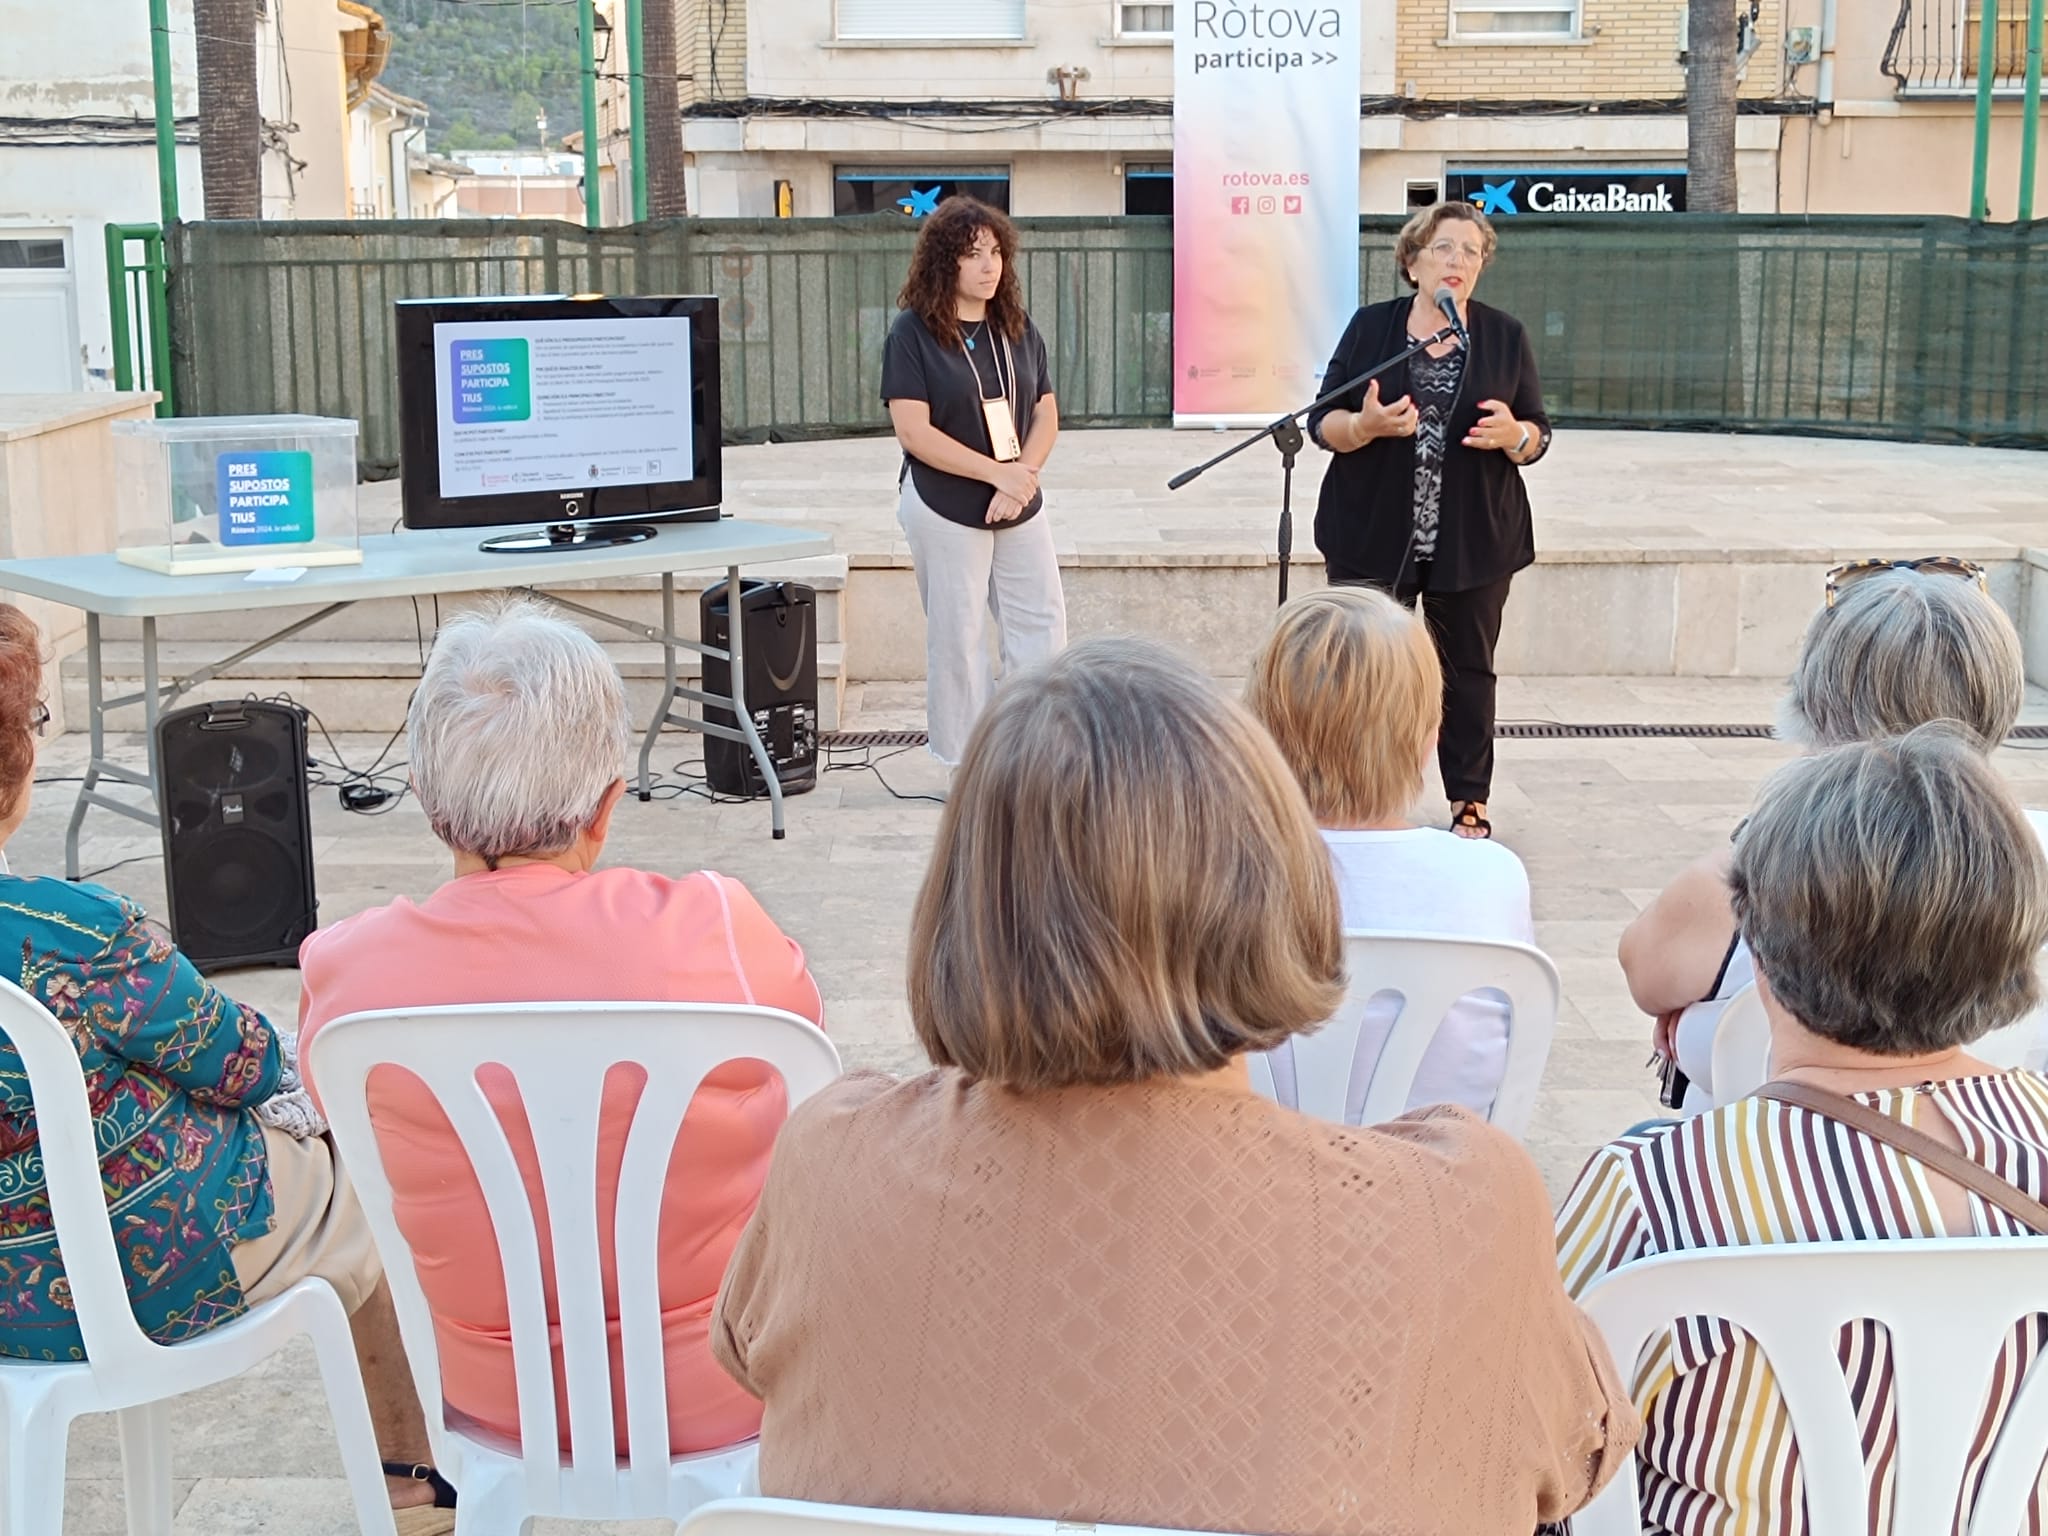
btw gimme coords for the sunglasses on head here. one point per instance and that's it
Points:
(1842, 577)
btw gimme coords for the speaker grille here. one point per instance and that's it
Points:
(235, 877)
(237, 832)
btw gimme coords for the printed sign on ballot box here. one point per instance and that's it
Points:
(265, 498)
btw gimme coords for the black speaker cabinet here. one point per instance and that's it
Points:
(238, 836)
(779, 650)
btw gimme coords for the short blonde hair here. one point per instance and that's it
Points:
(1421, 229)
(1127, 883)
(1350, 687)
(1894, 893)
(1898, 650)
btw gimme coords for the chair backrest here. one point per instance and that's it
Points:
(114, 1341)
(1949, 1305)
(558, 1056)
(1742, 1046)
(792, 1517)
(1427, 973)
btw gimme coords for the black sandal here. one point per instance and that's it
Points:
(1465, 813)
(419, 1472)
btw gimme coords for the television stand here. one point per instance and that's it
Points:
(567, 536)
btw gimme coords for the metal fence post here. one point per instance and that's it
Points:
(118, 300)
(2030, 109)
(1987, 72)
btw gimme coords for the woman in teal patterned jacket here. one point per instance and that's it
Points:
(212, 1210)
(171, 1070)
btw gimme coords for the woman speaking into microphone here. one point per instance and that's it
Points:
(1424, 494)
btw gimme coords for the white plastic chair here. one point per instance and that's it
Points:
(1949, 1304)
(125, 1373)
(558, 1056)
(1742, 1046)
(1428, 972)
(793, 1517)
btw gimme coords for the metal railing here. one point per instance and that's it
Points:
(1935, 46)
(136, 301)
(1913, 328)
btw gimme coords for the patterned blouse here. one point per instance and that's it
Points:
(171, 1067)
(1716, 1458)
(1434, 383)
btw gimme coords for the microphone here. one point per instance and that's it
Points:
(1448, 303)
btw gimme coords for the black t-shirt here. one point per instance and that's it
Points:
(916, 367)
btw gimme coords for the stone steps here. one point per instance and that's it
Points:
(364, 685)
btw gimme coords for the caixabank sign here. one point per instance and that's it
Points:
(1511, 194)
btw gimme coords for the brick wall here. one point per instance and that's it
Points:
(711, 49)
(1629, 49)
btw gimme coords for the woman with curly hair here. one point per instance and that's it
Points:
(969, 392)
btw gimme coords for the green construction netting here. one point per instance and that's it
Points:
(1913, 328)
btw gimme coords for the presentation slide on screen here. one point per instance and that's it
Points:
(560, 405)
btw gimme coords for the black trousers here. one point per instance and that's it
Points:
(1466, 627)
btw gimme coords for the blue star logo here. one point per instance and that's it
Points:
(1496, 198)
(918, 204)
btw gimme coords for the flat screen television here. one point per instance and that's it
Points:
(584, 416)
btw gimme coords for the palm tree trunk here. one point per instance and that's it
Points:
(230, 119)
(667, 197)
(1710, 106)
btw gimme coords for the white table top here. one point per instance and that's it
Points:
(411, 563)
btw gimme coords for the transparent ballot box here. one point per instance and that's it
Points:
(235, 493)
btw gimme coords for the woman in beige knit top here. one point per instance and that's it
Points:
(1080, 1270)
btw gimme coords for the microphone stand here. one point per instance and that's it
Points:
(1287, 437)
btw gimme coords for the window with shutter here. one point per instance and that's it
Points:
(939, 19)
(1144, 20)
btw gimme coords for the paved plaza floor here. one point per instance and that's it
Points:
(1600, 823)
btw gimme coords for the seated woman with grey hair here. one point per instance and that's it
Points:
(518, 738)
(1894, 648)
(1894, 897)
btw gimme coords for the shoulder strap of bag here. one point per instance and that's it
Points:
(1918, 1145)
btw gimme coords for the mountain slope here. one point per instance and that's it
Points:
(487, 68)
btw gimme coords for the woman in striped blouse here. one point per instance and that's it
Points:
(1894, 896)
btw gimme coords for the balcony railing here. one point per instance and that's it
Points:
(1934, 46)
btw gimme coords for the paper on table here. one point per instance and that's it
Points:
(276, 573)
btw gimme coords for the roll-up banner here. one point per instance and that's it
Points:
(1265, 202)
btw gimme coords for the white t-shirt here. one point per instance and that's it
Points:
(1426, 880)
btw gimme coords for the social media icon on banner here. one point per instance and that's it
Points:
(1240, 205)
(1267, 205)
(1291, 205)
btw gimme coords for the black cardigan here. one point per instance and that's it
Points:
(1367, 508)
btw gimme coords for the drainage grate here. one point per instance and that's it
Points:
(1556, 730)
(1505, 730)
(854, 741)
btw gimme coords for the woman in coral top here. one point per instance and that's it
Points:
(517, 736)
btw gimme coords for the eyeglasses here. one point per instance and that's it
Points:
(1444, 250)
(39, 718)
(1842, 577)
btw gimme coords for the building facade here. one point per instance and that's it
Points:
(822, 107)
(1895, 104)
(819, 107)
(78, 152)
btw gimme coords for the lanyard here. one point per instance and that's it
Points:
(1006, 389)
